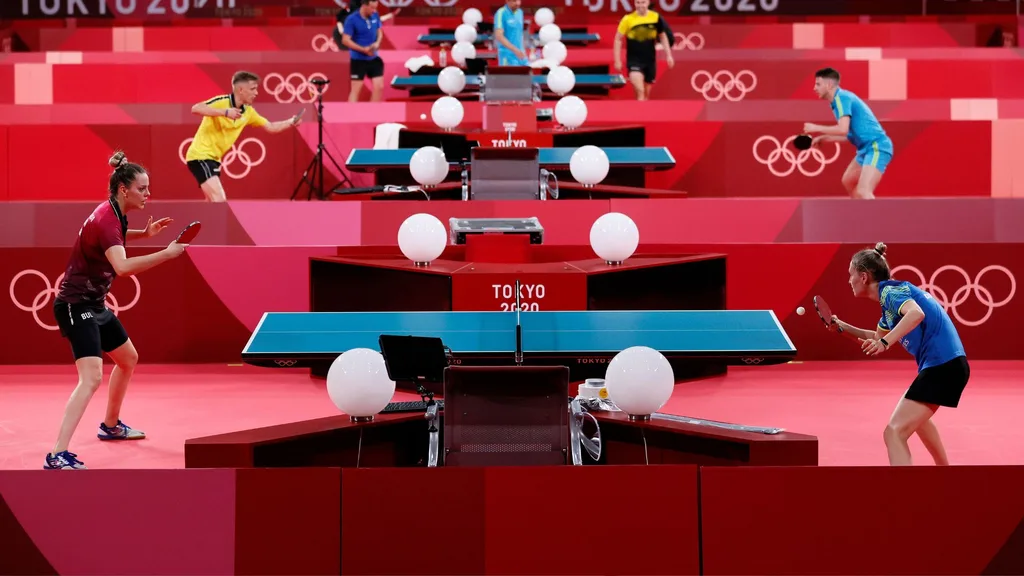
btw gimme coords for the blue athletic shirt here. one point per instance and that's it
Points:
(864, 126)
(362, 31)
(932, 342)
(512, 24)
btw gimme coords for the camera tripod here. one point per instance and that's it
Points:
(313, 175)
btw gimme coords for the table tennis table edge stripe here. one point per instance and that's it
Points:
(255, 332)
(781, 330)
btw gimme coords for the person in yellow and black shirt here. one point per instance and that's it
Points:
(641, 29)
(224, 117)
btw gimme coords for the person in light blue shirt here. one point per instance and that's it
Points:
(858, 124)
(913, 318)
(509, 33)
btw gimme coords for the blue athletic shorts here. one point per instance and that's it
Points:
(877, 154)
(507, 58)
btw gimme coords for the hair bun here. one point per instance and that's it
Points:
(880, 248)
(118, 160)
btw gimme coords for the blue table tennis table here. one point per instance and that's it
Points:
(650, 158)
(473, 81)
(568, 38)
(744, 337)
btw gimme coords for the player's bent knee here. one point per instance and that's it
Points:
(126, 357)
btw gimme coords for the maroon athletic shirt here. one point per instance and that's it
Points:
(89, 274)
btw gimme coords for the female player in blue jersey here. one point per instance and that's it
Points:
(913, 318)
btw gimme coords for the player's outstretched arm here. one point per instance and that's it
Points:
(125, 266)
(274, 127)
(852, 330)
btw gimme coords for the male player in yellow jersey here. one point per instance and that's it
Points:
(641, 29)
(224, 117)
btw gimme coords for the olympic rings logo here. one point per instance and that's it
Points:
(796, 161)
(322, 43)
(237, 152)
(294, 87)
(42, 299)
(960, 296)
(713, 89)
(682, 41)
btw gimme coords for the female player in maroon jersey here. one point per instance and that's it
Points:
(80, 307)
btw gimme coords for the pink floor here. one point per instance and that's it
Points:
(845, 404)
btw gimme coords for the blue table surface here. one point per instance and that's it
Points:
(724, 331)
(566, 37)
(474, 80)
(371, 157)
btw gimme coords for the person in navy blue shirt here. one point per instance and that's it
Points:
(858, 124)
(362, 35)
(911, 317)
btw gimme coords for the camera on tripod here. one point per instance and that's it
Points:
(313, 176)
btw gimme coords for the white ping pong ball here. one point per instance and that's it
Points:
(800, 311)
(358, 383)
(639, 381)
(614, 237)
(422, 238)
(423, 116)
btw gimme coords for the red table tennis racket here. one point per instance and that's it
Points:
(189, 233)
(802, 142)
(825, 313)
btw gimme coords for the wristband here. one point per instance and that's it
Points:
(884, 343)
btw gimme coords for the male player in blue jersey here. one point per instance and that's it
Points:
(856, 123)
(913, 318)
(509, 32)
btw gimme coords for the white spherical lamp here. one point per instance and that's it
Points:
(472, 16)
(465, 33)
(358, 383)
(461, 51)
(422, 238)
(614, 237)
(588, 165)
(640, 381)
(555, 51)
(570, 111)
(451, 80)
(561, 80)
(428, 166)
(543, 17)
(447, 112)
(549, 33)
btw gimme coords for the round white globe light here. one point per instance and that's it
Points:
(461, 51)
(570, 111)
(358, 383)
(422, 238)
(640, 381)
(472, 16)
(555, 51)
(588, 164)
(543, 17)
(465, 33)
(614, 237)
(549, 33)
(561, 80)
(428, 166)
(447, 112)
(451, 80)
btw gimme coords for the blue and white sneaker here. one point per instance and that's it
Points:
(63, 461)
(119, 432)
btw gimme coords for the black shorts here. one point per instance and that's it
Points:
(648, 68)
(92, 329)
(203, 170)
(942, 384)
(366, 68)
